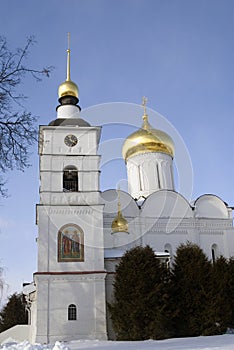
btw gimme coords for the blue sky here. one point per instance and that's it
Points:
(178, 53)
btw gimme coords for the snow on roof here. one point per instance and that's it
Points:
(162, 254)
(118, 253)
(29, 288)
(113, 253)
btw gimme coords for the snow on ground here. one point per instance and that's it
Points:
(221, 342)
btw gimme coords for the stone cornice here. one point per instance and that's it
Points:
(60, 273)
(175, 224)
(74, 276)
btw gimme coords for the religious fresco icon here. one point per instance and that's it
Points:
(70, 243)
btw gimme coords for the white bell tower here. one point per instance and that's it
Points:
(70, 281)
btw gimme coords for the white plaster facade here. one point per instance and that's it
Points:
(148, 173)
(163, 220)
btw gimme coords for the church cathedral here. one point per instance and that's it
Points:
(83, 232)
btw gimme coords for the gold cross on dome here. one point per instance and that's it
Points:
(68, 57)
(144, 101)
(68, 41)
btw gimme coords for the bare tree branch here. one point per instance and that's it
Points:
(17, 126)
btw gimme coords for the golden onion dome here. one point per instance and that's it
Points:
(119, 224)
(147, 139)
(68, 88)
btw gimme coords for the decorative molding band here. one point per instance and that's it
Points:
(53, 273)
(167, 231)
(161, 224)
(210, 232)
(71, 211)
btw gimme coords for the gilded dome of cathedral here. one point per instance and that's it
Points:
(147, 139)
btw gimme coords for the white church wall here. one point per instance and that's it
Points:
(50, 222)
(33, 320)
(166, 218)
(122, 240)
(68, 111)
(159, 240)
(42, 239)
(69, 198)
(51, 181)
(53, 140)
(220, 238)
(126, 241)
(89, 180)
(229, 242)
(149, 172)
(52, 178)
(58, 292)
(209, 239)
(42, 312)
(50, 162)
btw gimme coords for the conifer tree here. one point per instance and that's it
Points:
(230, 291)
(140, 291)
(161, 327)
(191, 275)
(219, 313)
(13, 313)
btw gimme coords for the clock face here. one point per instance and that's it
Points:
(70, 140)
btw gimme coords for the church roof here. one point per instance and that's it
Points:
(69, 122)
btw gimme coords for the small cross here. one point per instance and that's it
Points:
(68, 41)
(118, 196)
(68, 57)
(144, 101)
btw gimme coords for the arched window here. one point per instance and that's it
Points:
(72, 312)
(140, 177)
(158, 176)
(214, 252)
(70, 179)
